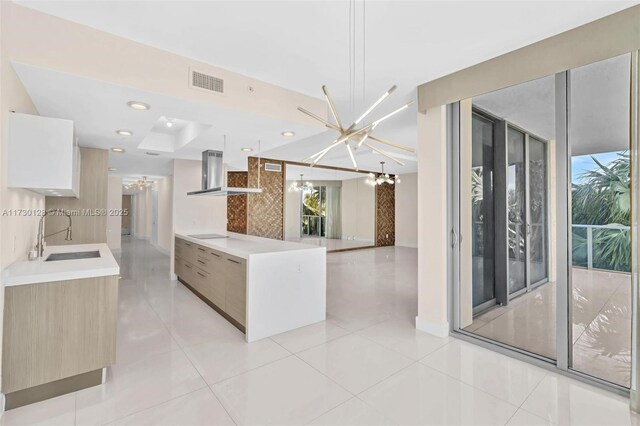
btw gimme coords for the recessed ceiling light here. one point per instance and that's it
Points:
(119, 150)
(124, 132)
(112, 169)
(288, 133)
(246, 149)
(152, 153)
(138, 105)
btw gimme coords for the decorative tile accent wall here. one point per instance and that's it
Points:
(265, 211)
(385, 215)
(237, 204)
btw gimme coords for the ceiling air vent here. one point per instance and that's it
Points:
(207, 82)
(273, 167)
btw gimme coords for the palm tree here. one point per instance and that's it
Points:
(602, 197)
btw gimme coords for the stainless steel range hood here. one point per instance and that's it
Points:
(213, 177)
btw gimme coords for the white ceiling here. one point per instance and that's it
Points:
(99, 108)
(303, 45)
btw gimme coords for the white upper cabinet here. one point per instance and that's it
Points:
(43, 155)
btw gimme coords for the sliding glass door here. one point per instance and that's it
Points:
(516, 211)
(547, 202)
(482, 232)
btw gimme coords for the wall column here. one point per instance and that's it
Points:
(433, 234)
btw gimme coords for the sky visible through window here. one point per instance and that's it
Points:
(581, 163)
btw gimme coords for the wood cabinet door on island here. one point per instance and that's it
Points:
(235, 273)
(218, 278)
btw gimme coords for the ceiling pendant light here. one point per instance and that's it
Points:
(356, 134)
(381, 178)
(140, 184)
(301, 186)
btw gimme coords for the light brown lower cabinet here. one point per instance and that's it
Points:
(57, 336)
(218, 278)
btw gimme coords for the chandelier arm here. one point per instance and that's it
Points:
(320, 119)
(332, 107)
(393, 144)
(353, 159)
(403, 107)
(364, 138)
(372, 107)
(325, 150)
(384, 153)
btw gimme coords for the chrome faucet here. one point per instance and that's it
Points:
(41, 236)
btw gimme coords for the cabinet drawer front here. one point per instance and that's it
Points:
(201, 281)
(203, 262)
(189, 272)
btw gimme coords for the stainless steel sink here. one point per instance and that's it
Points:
(73, 255)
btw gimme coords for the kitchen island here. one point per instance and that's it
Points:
(262, 286)
(60, 318)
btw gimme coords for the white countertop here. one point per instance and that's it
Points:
(243, 246)
(39, 271)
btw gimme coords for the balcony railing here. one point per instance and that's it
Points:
(605, 247)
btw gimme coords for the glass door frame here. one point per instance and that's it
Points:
(500, 130)
(562, 157)
(529, 285)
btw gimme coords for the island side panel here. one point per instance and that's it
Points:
(285, 291)
(57, 330)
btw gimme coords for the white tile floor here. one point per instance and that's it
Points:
(180, 363)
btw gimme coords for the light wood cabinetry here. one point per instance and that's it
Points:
(89, 210)
(218, 278)
(57, 330)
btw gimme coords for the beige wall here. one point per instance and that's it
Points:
(17, 233)
(114, 206)
(358, 210)
(141, 201)
(49, 42)
(432, 230)
(407, 211)
(292, 207)
(165, 213)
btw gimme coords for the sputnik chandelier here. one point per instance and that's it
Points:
(140, 184)
(357, 134)
(353, 137)
(383, 177)
(301, 186)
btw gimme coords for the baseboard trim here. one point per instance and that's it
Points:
(409, 245)
(436, 329)
(52, 389)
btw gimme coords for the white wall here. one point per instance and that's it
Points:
(433, 237)
(142, 222)
(358, 210)
(195, 214)
(165, 213)
(17, 232)
(114, 205)
(292, 207)
(407, 211)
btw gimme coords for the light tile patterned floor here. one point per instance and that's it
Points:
(180, 363)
